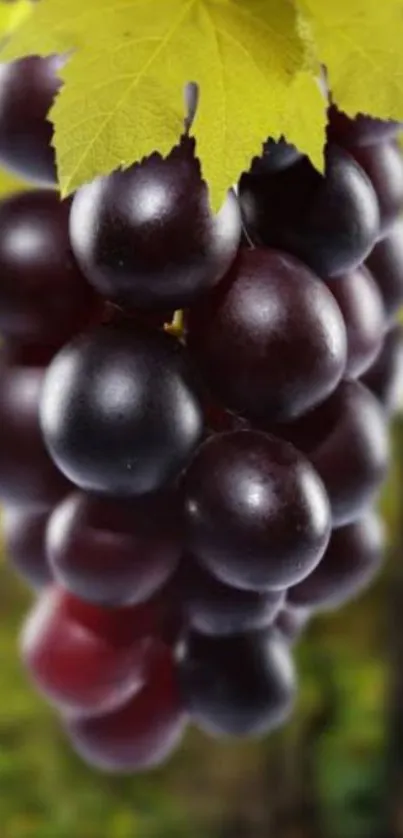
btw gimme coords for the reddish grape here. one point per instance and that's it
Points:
(277, 155)
(24, 530)
(329, 221)
(27, 474)
(351, 561)
(257, 515)
(270, 340)
(291, 622)
(115, 552)
(214, 608)
(238, 686)
(120, 410)
(146, 236)
(75, 665)
(385, 377)
(383, 164)
(386, 265)
(362, 308)
(44, 298)
(27, 90)
(346, 440)
(361, 130)
(140, 735)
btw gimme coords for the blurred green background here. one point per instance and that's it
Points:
(335, 771)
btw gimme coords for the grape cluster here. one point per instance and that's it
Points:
(194, 420)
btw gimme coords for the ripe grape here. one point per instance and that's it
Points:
(351, 561)
(362, 308)
(386, 265)
(270, 340)
(383, 164)
(27, 90)
(361, 130)
(27, 473)
(237, 686)
(291, 621)
(44, 298)
(346, 440)
(141, 734)
(23, 529)
(214, 608)
(385, 376)
(115, 552)
(277, 155)
(329, 221)
(76, 666)
(256, 513)
(120, 412)
(146, 236)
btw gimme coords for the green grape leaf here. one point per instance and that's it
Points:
(360, 43)
(10, 184)
(123, 91)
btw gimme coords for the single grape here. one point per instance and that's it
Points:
(27, 473)
(385, 376)
(115, 552)
(277, 155)
(291, 622)
(362, 308)
(386, 265)
(383, 163)
(329, 221)
(28, 88)
(24, 530)
(44, 298)
(146, 236)
(140, 735)
(120, 412)
(346, 440)
(270, 340)
(237, 686)
(351, 561)
(76, 666)
(256, 513)
(214, 608)
(361, 130)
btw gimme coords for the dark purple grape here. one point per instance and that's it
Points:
(116, 552)
(385, 377)
(140, 735)
(237, 686)
(146, 236)
(361, 130)
(329, 221)
(362, 308)
(211, 607)
(277, 155)
(257, 516)
(27, 90)
(44, 298)
(291, 622)
(383, 163)
(270, 340)
(346, 440)
(351, 561)
(76, 666)
(24, 530)
(120, 413)
(386, 265)
(27, 473)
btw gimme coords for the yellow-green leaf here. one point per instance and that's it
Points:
(123, 92)
(13, 15)
(9, 184)
(361, 44)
